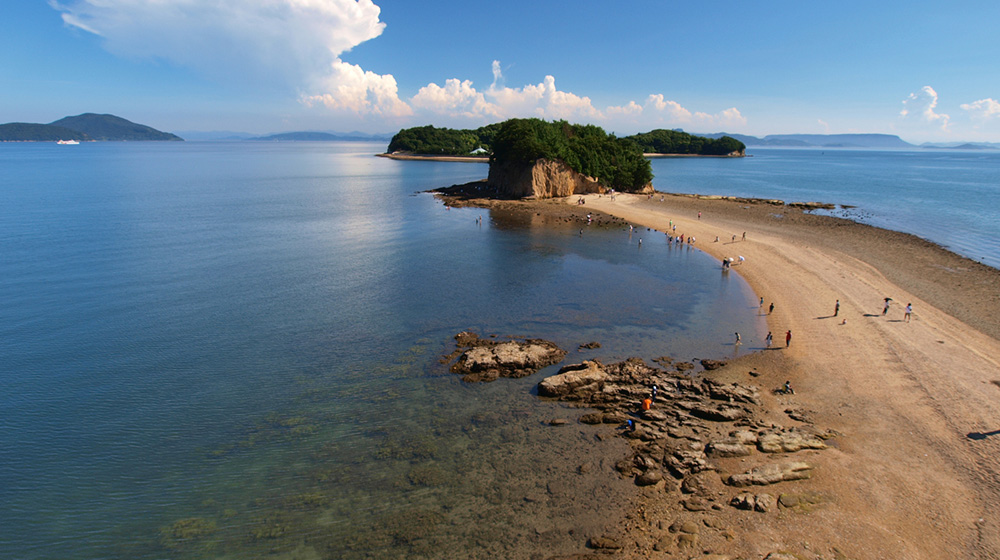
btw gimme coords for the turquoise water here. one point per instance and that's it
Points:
(233, 351)
(949, 197)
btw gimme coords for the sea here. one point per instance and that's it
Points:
(241, 350)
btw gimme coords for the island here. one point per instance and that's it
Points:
(82, 128)
(541, 159)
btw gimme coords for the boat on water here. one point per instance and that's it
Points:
(67, 142)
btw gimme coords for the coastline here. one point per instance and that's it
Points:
(417, 157)
(915, 473)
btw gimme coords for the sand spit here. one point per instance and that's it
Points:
(916, 403)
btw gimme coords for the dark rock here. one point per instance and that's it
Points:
(590, 346)
(648, 478)
(710, 365)
(604, 543)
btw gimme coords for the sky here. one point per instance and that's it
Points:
(925, 71)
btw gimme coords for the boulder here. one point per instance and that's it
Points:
(771, 474)
(648, 478)
(762, 503)
(486, 360)
(579, 381)
(787, 441)
(730, 447)
(719, 413)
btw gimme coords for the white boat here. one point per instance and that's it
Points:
(67, 142)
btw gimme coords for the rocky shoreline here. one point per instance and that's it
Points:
(706, 453)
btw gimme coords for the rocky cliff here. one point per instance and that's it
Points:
(542, 179)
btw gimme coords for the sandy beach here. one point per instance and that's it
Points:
(914, 473)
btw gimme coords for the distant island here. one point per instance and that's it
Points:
(429, 140)
(541, 159)
(84, 128)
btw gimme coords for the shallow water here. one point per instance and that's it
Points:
(232, 350)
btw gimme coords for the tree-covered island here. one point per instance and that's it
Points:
(516, 145)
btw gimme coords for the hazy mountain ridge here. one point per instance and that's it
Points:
(88, 126)
(34, 132)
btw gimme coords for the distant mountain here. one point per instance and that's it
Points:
(820, 140)
(112, 128)
(214, 135)
(32, 132)
(962, 146)
(319, 137)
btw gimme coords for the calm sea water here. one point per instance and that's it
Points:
(949, 197)
(233, 351)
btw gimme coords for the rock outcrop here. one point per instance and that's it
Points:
(542, 179)
(487, 360)
(574, 382)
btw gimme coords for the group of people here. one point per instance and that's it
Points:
(907, 311)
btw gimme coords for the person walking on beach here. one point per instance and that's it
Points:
(836, 308)
(738, 338)
(885, 309)
(909, 310)
(761, 301)
(768, 339)
(744, 236)
(770, 309)
(788, 338)
(699, 215)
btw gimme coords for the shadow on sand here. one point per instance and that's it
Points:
(982, 435)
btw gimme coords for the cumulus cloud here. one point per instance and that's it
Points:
(659, 112)
(294, 43)
(982, 110)
(460, 99)
(922, 104)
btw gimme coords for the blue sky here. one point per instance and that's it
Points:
(927, 71)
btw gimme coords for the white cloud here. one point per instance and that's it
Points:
(459, 99)
(659, 112)
(982, 110)
(455, 99)
(349, 87)
(922, 104)
(296, 44)
(541, 100)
